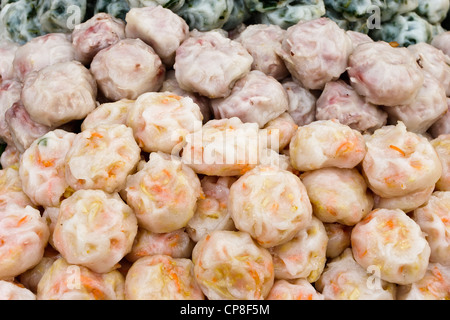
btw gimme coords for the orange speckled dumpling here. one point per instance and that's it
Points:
(338, 195)
(102, 158)
(42, 168)
(94, 229)
(14, 291)
(95, 34)
(229, 265)
(434, 219)
(163, 193)
(64, 281)
(127, 69)
(23, 237)
(435, 285)
(405, 203)
(212, 209)
(304, 256)
(11, 191)
(161, 121)
(399, 162)
(270, 204)
(108, 113)
(326, 143)
(176, 244)
(393, 243)
(161, 277)
(210, 64)
(299, 289)
(344, 279)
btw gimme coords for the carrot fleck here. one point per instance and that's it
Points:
(398, 149)
(22, 221)
(394, 44)
(96, 135)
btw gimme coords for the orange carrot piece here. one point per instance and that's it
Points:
(398, 149)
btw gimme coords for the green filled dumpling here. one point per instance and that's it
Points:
(293, 12)
(19, 21)
(61, 15)
(434, 11)
(205, 15)
(115, 8)
(173, 5)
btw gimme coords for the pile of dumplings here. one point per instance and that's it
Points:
(147, 161)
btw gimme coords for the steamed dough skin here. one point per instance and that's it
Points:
(338, 238)
(161, 277)
(161, 121)
(399, 162)
(95, 229)
(41, 52)
(429, 106)
(14, 291)
(302, 103)
(64, 281)
(42, 168)
(229, 265)
(127, 69)
(340, 101)
(212, 209)
(210, 64)
(393, 243)
(160, 28)
(442, 42)
(23, 237)
(316, 52)
(384, 75)
(11, 190)
(263, 42)
(255, 98)
(442, 146)
(163, 194)
(9, 157)
(270, 204)
(405, 203)
(441, 126)
(176, 244)
(304, 256)
(299, 289)
(95, 34)
(8, 50)
(102, 158)
(344, 279)
(338, 195)
(10, 91)
(326, 143)
(67, 89)
(434, 220)
(107, 114)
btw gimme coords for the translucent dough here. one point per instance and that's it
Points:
(298, 289)
(345, 279)
(212, 209)
(162, 277)
(326, 143)
(442, 146)
(14, 291)
(338, 195)
(102, 158)
(107, 114)
(163, 193)
(270, 204)
(42, 168)
(161, 121)
(23, 237)
(64, 281)
(304, 256)
(399, 162)
(94, 229)
(229, 265)
(434, 220)
(393, 244)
